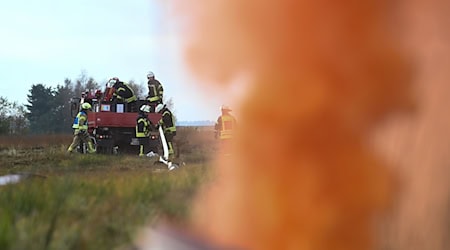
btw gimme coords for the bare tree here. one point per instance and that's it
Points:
(138, 89)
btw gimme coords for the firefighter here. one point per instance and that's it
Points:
(155, 91)
(80, 126)
(168, 130)
(224, 127)
(143, 127)
(124, 94)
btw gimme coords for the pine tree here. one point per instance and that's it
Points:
(63, 95)
(12, 117)
(41, 109)
(4, 118)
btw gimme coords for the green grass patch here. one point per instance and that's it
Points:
(73, 201)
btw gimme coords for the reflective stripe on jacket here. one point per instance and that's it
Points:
(155, 91)
(80, 121)
(226, 124)
(167, 122)
(125, 93)
(142, 127)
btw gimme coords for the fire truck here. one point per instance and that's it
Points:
(112, 124)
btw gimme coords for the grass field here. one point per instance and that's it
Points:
(73, 201)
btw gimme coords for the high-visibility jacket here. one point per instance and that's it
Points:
(142, 126)
(225, 125)
(124, 93)
(168, 122)
(80, 122)
(155, 91)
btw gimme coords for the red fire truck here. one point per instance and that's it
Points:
(111, 124)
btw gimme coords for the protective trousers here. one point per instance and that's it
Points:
(165, 158)
(81, 137)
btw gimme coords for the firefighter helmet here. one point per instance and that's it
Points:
(145, 108)
(150, 75)
(225, 108)
(159, 107)
(86, 106)
(113, 80)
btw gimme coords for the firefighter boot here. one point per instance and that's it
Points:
(171, 166)
(91, 148)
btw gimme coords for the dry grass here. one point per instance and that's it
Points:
(33, 141)
(75, 201)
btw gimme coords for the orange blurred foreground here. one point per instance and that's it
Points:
(324, 74)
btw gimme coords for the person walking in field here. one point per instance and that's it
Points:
(143, 127)
(80, 126)
(155, 91)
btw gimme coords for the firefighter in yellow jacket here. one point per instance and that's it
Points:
(155, 91)
(225, 125)
(224, 129)
(124, 94)
(167, 123)
(143, 127)
(80, 126)
(167, 130)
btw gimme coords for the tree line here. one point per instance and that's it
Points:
(48, 108)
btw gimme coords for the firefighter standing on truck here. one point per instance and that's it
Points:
(155, 91)
(124, 94)
(224, 127)
(80, 126)
(143, 127)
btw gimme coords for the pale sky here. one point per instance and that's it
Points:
(45, 41)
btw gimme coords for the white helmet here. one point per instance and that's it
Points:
(159, 107)
(150, 75)
(86, 106)
(145, 108)
(113, 80)
(225, 108)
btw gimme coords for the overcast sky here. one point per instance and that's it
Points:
(45, 41)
